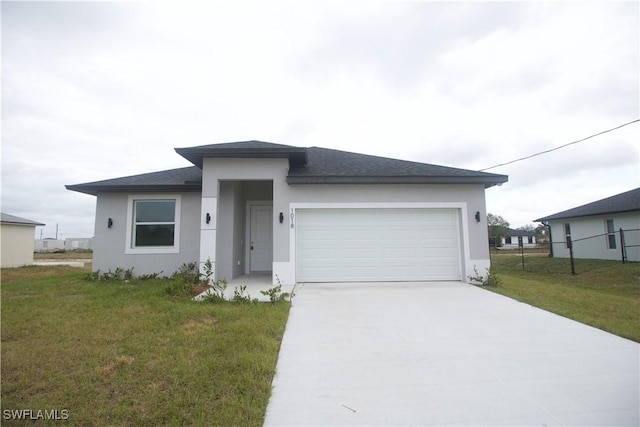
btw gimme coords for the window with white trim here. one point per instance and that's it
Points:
(567, 234)
(611, 234)
(153, 224)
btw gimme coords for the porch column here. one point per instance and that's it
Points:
(208, 227)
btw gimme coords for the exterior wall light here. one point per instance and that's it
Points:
(281, 217)
(477, 216)
(208, 218)
(109, 223)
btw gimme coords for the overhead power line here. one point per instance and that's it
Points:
(562, 146)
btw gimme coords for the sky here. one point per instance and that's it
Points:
(99, 90)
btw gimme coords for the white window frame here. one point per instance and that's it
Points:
(609, 233)
(129, 242)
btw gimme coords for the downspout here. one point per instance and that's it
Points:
(546, 224)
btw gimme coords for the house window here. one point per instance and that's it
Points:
(611, 235)
(153, 224)
(507, 240)
(567, 234)
(530, 239)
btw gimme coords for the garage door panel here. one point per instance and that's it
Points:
(377, 245)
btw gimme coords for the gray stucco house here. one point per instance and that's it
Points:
(595, 228)
(302, 214)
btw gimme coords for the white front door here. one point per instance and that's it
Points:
(261, 237)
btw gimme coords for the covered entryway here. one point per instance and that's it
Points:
(388, 245)
(242, 229)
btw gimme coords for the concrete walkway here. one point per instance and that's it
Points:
(445, 354)
(254, 284)
(70, 262)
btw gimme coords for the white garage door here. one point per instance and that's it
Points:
(360, 245)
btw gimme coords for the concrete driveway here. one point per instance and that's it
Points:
(445, 354)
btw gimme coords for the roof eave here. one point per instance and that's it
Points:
(302, 180)
(95, 189)
(296, 156)
(23, 224)
(555, 217)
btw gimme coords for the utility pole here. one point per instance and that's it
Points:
(56, 231)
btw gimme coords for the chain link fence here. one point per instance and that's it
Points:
(620, 245)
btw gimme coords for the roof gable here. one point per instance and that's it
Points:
(624, 202)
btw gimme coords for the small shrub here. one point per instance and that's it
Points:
(241, 295)
(217, 290)
(119, 274)
(213, 298)
(179, 288)
(207, 275)
(276, 294)
(94, 276)
(150, 276)
(490, 279)
(188, 272)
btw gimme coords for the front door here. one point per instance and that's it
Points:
(261, 237)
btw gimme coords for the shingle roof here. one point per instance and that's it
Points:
(306, 166)
(244, 149)
(16, 220)
(183, 179)
(513, 232)
(623, 202)
(327, 166)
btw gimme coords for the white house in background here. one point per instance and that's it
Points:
(49, 245)
(510, 241)
(78, 243)
(595, 228)
(18, 237)
(301, 214)
(68, 244)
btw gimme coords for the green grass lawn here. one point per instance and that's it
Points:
(116, 353)
(603, 294)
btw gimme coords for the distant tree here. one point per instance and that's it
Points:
(542, 233)
(528, 227)
(498, 228)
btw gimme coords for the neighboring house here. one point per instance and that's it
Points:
(68, 244)
(78, 243)
(49, 245)
(301, 214)
(18, 237)
(511, 240)
(595, 228)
